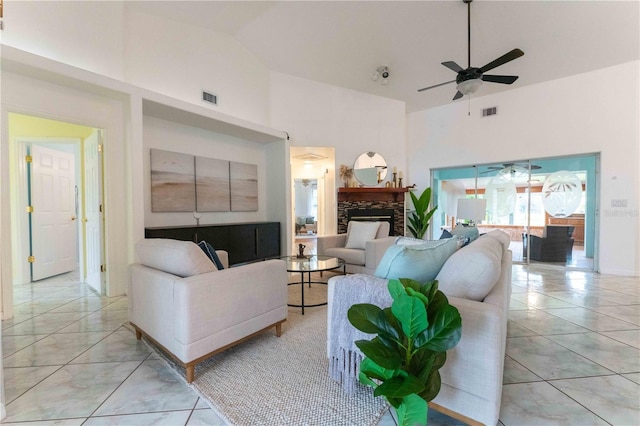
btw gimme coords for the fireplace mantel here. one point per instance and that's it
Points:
(372, 194)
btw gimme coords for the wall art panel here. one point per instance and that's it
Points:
(172, 182)
(213, 193)
(244, 187)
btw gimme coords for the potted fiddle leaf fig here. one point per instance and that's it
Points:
(401, 363)
(420, 217)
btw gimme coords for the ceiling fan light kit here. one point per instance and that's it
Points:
(470, 79)
(468, 87)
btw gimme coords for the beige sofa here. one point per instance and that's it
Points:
(358, 260)
(179, 300)
(472, 375)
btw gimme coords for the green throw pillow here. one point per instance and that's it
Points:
(421, 262)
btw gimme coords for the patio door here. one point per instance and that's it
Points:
(547, 206)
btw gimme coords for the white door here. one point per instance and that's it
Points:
(93, 216)
(54, 232)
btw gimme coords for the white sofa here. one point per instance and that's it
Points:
(472, 375)
(179, 300)
(357, 260)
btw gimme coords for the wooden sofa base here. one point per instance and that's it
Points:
(191, 365)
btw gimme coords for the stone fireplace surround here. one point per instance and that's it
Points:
(372, 204)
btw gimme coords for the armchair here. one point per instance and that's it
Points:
(555, 245)
(366, 257)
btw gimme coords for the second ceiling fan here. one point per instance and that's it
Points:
(471, 78)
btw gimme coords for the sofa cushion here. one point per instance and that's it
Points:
(359, 233)
(472, 271)
(499, 235)
(211, 254)
(181, 258)
(420, 262)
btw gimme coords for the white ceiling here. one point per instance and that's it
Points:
(343, 42)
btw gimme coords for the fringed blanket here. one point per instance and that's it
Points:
(344, 355)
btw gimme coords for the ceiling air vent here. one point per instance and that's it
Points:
(489, 111)
(210, 97)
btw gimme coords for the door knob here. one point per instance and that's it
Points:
(85, 220)
(73, 218)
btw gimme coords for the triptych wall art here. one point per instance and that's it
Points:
(187, 183)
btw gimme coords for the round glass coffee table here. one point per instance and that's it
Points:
(307, 265)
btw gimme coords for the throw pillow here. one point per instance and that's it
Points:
(359, 233)
(421, 262)
(470, 232)
(211, 253)
(446, 234)
(472, 271)
(181, 258)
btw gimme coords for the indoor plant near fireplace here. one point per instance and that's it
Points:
(401, 363)
(420, 217)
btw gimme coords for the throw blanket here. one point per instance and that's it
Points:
(344, 355)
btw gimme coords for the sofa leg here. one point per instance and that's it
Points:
(279, 329)
(190, 372)
(138, 333)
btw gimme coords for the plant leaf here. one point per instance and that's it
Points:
(422, 297)
(396, 289)
(370, 319)
(374, 371)
(399, 387)
(380, 354)
(439, 360)
(412, 411)
(432, 386)
(365, 380)
(429, 289)
(412, 315)
(445, 331)
(411, 283)
(421, 364)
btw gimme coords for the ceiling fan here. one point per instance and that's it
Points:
(470, 79)
(512, 168)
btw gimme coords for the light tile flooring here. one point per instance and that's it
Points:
(573, 357)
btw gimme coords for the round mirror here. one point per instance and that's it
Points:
(370, 169)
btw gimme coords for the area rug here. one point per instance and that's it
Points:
(283, 381)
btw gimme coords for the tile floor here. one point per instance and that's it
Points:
(573, 357)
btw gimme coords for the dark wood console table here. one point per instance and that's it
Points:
(245, 242)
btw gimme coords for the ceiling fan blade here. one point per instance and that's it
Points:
(510, 56)
(458, 95)
(436, 85)
(453, 66)
(504, 79)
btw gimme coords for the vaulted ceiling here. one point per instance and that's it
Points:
(343, 42)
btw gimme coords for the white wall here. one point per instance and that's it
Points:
(88, 35)
(169, 136)
(318, 115)
(181, 60)
(592, 112)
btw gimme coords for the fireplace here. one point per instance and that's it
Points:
(372, 204)
(373, 215)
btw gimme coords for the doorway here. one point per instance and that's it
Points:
(546, 205)
(313, 196)
(56, 231)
